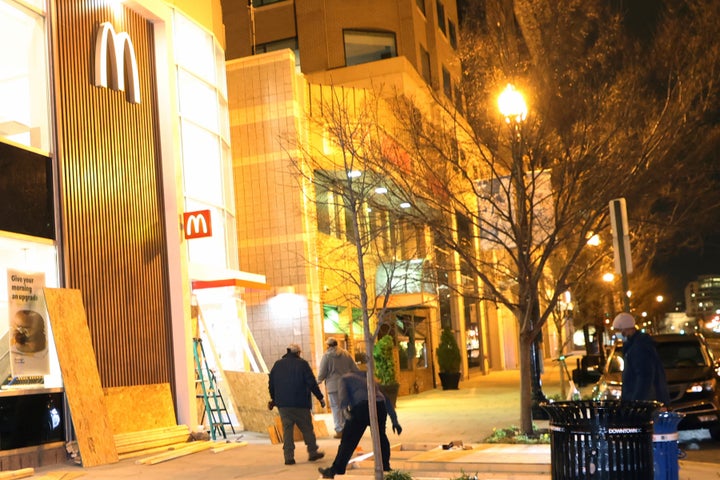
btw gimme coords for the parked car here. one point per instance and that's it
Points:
(693, 377)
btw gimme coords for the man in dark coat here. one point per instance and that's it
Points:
(353, 395)
(643, 377)
(291, 383)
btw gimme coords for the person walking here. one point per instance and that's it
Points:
(335, 363)
(353, 393)
(643, 377)
(291, 383)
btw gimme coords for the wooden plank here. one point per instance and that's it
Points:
(320, 427)
(151, 451)
(153, 443)
(193, 447)
(22, 473)
(228, 446)
(78, 366)
(151, 407)
(136, 437)
(273, 433)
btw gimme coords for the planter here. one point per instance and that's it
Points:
(449, 380)
(391, 392)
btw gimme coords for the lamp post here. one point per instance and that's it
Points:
(513, 107)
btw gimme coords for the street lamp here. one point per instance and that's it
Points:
(512, 106)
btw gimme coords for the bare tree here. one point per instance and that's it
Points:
(608, 117)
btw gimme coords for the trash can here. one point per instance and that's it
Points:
(665, 445)
(608, 440)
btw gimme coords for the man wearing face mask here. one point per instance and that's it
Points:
(643, 377)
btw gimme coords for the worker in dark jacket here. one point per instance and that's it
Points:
(643, 377)
(291, 383)
(353, 395)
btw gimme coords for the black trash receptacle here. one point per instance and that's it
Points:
(601, 440)
(665, 445)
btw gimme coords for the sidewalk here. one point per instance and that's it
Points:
(429, 419)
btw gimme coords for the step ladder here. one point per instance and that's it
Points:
(215, 407)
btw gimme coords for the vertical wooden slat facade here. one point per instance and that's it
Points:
(115, 248)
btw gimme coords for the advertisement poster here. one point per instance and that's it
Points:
(28, 331)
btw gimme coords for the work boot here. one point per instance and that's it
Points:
(326, 472)
(290, 462)
(316, 456)
(338, 434)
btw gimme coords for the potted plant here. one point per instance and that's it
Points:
(385, 368)
(449, 358)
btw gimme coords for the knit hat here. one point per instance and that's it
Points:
(622, 321)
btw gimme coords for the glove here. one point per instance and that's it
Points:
(322, 403)
(397, 428)
(347, 414)
(271, 404)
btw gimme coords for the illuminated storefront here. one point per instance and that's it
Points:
(113, 125)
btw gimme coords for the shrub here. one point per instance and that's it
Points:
(385, 361)
(398, 475)
(448, 352)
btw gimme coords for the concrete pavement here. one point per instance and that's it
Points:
(429, 419)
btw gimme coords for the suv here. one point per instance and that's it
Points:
(693, 377)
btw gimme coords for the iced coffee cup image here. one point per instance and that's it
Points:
(27, 332)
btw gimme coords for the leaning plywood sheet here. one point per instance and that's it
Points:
(140, 407)
(250, 393)
(80, 376)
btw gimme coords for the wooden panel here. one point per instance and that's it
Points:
(112, 205)
(80, 376)
(140, 407)
(250, 393)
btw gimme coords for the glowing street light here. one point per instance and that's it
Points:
(512, 105)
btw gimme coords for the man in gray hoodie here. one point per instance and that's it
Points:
(335, 363)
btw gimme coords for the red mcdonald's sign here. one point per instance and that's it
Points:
(197, 224)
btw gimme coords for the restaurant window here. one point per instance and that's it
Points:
(24, 84)
(205, 141)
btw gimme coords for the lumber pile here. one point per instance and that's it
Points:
(133, 444)
(181, 451)
(13, 474)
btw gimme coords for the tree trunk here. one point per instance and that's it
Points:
(526, 341)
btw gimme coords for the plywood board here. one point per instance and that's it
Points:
(250, 394)
(140, 407)
(80, 376)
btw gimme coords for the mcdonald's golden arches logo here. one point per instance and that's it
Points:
(119, 50)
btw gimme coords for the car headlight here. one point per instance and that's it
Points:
(706, 386)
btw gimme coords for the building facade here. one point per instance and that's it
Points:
(115, 148)
(282, 56)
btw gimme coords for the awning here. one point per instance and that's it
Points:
(204, 276)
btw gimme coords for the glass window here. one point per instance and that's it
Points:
(441, 15)
(364, 47)
(200, 103)
(447, 83)
(425, 64)
(205, 140)
(452, 34)
(24, 108)
(27, 257)
(260, 3)
(291, 43)
(194, 49)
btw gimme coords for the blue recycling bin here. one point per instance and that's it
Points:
(665, 445)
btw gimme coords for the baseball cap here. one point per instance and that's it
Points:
(622, 321)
